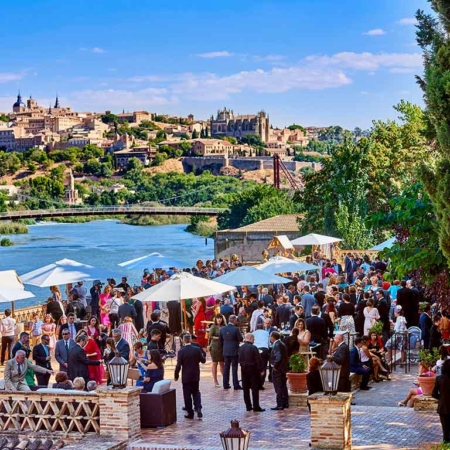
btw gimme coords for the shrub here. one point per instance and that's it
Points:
(297, 363)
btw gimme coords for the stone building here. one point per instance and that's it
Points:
(248, 242)
(206, 147)
(227, 124)
(7, 139)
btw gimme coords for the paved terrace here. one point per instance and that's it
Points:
(377, 423)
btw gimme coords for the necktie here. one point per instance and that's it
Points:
(19, 369)
(71, 331)
(67, 346)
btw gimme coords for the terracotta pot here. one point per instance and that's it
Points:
(427, 385)
(297, 382)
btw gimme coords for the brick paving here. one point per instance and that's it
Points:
(377, 423)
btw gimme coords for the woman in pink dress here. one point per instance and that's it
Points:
(199, 317)
(129, 332)
(49, 329)
(96, 373)
(210, 308)
(104, 312)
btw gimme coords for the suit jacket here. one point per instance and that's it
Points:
(405, 299)
(40, 356)
(66, 327)
(283, 314)
(78, 363)
(342, 357)
(348, 265)
(189, 359)
(441, 392)
(127, 310)
(425, 325)
(230, 336)
(279, 357)
(123, 348)
(12, 377)
(316, 326)
(61, 353)
(139, 319)
(355, 359)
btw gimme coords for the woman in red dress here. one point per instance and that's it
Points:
(96, 373)
(199, 317)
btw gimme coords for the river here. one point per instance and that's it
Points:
(102, 243)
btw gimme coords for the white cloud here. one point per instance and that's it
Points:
(148, 79)
(269, 58)
(98, 50)
(116, 99)
(6, 77)
(367, 61)
(407, 21)
(210, 55)
(364, 92)
(376, 32)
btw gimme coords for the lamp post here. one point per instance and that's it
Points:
(118, 371)
(235, 438)
(329, 373)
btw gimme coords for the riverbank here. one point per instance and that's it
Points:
(13, 228)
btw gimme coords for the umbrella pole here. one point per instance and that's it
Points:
(183, 302)
(12, 309)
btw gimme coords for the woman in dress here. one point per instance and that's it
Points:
(49, 329)
(199, 317)
(371, 316)
(140, 359)
(347, 323)
(104, 310)
(186, 307)
(61, 321)
(215, 348)
(359, 320)
(93, 330)
(96, 373)
(399, 340)
(155, 371)
(304, 336)
(129, 332)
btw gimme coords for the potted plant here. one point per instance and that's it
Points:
(297, 374)
(377, 327)
(427, 379)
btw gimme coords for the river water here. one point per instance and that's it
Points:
(103, 243)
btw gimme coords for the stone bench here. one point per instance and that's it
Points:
(355, 381)
(298, 400)
(425, 403)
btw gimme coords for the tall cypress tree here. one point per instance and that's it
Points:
(433, 36)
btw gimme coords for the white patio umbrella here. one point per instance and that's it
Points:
(153, 261)
(182, 286)
(280, 264)
(12, 288)
(314, 239)
(249, 276)
(11, 294)
(65, 271)
(386, 244)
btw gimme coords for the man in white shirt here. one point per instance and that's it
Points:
(113, 304)
(8, 330)
(262, 344)
(259, 311)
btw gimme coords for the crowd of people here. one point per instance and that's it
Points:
(349, 312)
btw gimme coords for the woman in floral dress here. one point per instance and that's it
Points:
(49, 329)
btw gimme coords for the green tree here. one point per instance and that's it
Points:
(92, 151)
(4, 118)
(159, 159)
(296, 127)
(92, 167)
(32, 167)
(194, 134)
(134, 163)
(109, 118)
(433, 36)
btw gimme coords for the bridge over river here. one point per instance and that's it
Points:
(111, 211)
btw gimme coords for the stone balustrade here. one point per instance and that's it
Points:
(107, 413)
(26, 314)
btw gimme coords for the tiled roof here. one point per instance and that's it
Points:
(28, 444)
(283, 223)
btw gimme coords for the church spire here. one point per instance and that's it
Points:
(56, 102)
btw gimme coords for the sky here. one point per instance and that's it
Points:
(310, 62)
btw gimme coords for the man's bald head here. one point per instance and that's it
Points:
(338, 338)
(249, 338)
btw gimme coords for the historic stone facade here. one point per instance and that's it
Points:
(227, 124)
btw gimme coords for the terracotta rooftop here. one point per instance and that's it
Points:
(279, 224)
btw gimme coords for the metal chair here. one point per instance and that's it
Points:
(415, 343)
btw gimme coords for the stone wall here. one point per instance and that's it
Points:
(248, 246)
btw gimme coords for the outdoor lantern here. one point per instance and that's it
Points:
(235, 438)
(118, 371)
(329, 373)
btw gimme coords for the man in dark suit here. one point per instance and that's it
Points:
(78, 362)
(405, 300)
(356, 366)
(336, 266)
(298, 314)
(341, 356)
(189, 359)
(280, 366)
(127, 310)
(441, 392)
(95, 292)
(62, 350)
(320, 295)
(139, 319)
(283, 313)
(42, 358)
(122, 345)
(251, 368)
(22, 344)
(230, 337)
(71, 325)
(156, 322)
(318, 329)
(425, 323)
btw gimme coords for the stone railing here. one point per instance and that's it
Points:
(26, 314)
(108, 412)
(49, 412)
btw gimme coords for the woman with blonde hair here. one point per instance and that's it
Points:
(129, 332)
(104, 309)
(304, 336)
(79, 384)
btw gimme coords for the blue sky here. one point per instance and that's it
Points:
(312, 62)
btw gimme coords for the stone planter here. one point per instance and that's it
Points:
(297, 382)
(427, 385)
